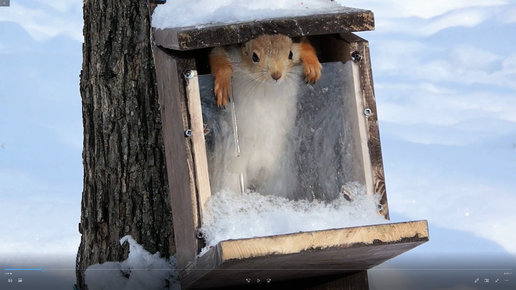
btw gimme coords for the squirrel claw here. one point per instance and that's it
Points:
(222, 92)
(312, 72)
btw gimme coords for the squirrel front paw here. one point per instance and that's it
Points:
(222, 90)
(311, 64)
(312, 70)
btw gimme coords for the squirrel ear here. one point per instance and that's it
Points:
(246, 48)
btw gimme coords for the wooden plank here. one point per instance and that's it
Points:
(362, 138)
(172, 98)
(202, 177)
(340, 20)
(369, 99)
(303, 255)
(351, 37)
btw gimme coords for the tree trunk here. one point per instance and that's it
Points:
(125, 181)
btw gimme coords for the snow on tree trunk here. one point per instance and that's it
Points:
(125, 181)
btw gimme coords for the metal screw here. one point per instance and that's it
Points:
(188, 133)
(356, 56)
(368, 112)
(200, 234)
(189, 74)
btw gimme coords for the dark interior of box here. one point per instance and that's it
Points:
(329, 48)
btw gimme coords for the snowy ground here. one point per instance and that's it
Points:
(141, 270)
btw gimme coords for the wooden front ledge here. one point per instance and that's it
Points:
(302, 255)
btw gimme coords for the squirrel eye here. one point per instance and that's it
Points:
(255, 57)
(290, 55)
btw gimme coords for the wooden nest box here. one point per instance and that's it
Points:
(189, 115)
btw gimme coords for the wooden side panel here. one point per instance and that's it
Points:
(339, 20)
(375, 150)
(202, 178)
(362, 135)
(303, 255)
(172, 98)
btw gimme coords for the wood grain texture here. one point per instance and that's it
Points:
(320, 240)
(180, 164)
(358, 44)
(362, 132)
(374, 145)
(302, 255)
(202, 177)
(125, 189)
(188, 38)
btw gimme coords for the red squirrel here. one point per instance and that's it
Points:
(268, 58)
(264, 76)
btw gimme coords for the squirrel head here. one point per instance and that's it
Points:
(269, 58)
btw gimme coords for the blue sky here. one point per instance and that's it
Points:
(445, 83)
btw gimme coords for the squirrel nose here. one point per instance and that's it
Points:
(276, 76)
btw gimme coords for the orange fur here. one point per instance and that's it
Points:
(273, 64)
(312, 67)
(221, 69)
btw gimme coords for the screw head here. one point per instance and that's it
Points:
(356, 56)
(189, 74)
(188, 133)
(368, 112)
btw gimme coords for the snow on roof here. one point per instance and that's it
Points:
(178, 13)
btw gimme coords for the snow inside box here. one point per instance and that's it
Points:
(319, 178)
(316, 199)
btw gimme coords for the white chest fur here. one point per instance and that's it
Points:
(265, 116)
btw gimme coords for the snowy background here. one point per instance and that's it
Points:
(445, 83)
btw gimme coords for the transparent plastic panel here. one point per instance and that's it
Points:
(299, 142)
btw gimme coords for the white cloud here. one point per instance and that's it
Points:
(396, 57)
(43, 24)
(472, 58)
(442, 70)
(427, 103)
(439, 86)
(509, 65)
(465, 17)
(424, 18)
(509, 15)
(426, 113)
(421, 9)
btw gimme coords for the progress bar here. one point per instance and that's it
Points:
(42, 269)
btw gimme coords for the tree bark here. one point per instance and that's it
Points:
(125, 180)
